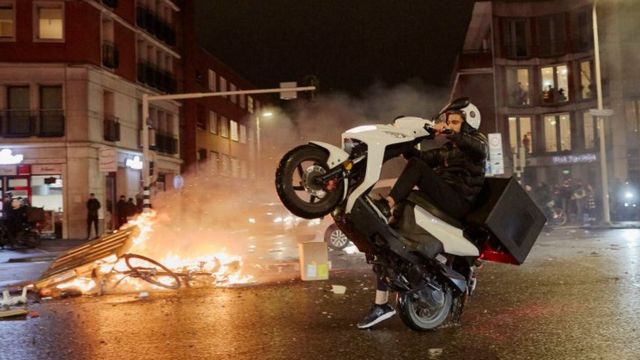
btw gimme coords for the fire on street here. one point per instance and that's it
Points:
(576, 297)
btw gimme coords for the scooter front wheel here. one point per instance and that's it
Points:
(299, 186)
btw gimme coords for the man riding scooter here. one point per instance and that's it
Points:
(451, 176)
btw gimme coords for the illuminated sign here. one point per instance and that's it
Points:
(135, 163)
(7, 158)
(574, 159)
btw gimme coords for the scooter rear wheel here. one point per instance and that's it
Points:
(298, 185)
(422, 318)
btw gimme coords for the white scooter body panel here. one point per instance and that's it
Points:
(378, 137)
(453, 241)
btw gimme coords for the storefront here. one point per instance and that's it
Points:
(39, 186)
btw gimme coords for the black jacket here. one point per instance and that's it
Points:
(92, 207)
(460, 162)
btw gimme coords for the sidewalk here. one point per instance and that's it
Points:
(23, 265)
(614, 225)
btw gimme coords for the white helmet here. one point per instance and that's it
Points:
(471, 115)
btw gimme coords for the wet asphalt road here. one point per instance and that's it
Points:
(576, 297)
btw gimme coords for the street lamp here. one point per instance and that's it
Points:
(266, 114)
(600, 113)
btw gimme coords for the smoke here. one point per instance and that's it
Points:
(211, 212)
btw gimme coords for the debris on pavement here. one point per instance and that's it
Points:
(13, 313)
(435, 352)
(338, 289)
(8, 300)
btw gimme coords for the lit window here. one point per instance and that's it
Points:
(520, 135)
(250, 107)
(557, 132)
(234, 130)
(223, 84)
(518, 86)
(555, 84)
(50, 22)
(7, 29)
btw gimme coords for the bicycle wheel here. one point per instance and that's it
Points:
(153, 275)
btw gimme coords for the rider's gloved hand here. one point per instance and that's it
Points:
(410, 153)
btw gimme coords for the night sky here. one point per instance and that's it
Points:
(348, 45)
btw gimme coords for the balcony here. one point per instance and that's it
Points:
(27, 123)
(110, 3)
(155, 26)
(110, 56)
(162, 80)
(166, 143)
(111, 126)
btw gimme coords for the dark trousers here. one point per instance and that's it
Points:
(417, 172)
(90, 220)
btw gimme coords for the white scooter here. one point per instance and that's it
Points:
(426, 256)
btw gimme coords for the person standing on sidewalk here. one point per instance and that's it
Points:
(93, 205)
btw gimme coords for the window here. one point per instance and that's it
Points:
(518, 86)
(235, 167)
(243, 101)
(589, 130)
(223, 84)
(243, 134)
(520, 134)
(18, 113)
(215, 162)
(515, 38)
(234, 98)
(202, 154)
(225, 165)
(213, 122)
(551, 35)
(212, 80)
(582, 30)
(234, 130)
(50, 23)
(224, 127)
(586, 83)
(7, 22)
(557, 133)
(250, 105)
(201, 118)
(555, 84)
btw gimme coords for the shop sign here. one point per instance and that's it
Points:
(24, 169)
(108, 159)
(8, 170)
(7, 157)
(496, 159)
(135, 163)
(573, 159)
(50, 169)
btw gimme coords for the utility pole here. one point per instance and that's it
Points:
(146, 99)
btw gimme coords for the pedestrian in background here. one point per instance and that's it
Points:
(121, 209)
(93, 205)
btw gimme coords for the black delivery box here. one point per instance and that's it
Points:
(509, 215)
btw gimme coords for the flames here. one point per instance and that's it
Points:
(217, 268)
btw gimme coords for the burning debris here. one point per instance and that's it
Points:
(111, 263)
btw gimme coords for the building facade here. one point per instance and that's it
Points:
(530, 65)
(218, 132)
(72, 75)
